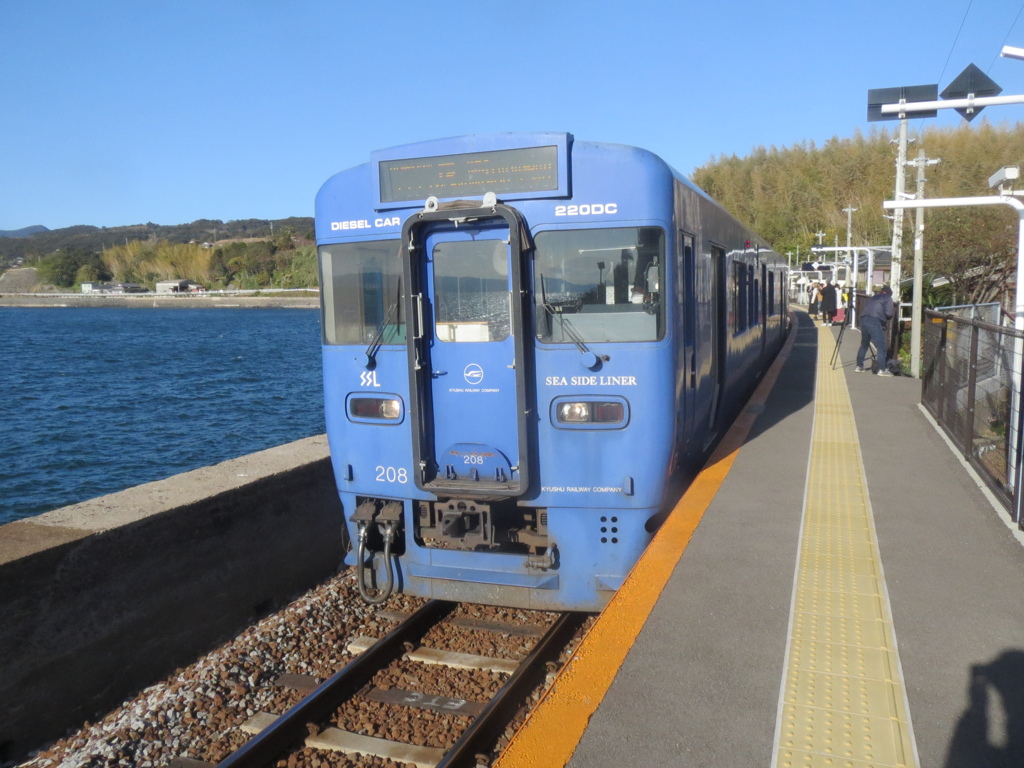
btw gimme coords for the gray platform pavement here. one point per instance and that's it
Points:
(701, 685)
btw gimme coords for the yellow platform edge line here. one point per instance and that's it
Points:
(552, 732)
(836, 502)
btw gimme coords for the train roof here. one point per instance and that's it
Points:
(514, 141)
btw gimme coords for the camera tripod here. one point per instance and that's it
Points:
(839, 338)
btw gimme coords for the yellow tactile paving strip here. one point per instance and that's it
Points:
(842, 703)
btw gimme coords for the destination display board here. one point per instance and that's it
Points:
(504, 171)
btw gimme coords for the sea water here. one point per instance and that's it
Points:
(96, 400)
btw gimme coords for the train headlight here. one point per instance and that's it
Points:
(574, 413)
(591, 412)
(382, 408)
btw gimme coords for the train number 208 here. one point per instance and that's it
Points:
(392, 475)
(594, 209)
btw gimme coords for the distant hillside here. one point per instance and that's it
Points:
(18, 281)
(39, 241)
(23, 232)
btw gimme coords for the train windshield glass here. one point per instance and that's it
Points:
(471, 290)
(361, 284)
(599, 284)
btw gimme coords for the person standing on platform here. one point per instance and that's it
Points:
(829, 303)
(877, 312)
(812, 298)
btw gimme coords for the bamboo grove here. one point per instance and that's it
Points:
(790, 194)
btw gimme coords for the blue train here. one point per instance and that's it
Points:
(525, 339)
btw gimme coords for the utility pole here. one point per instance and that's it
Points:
(820, 236)
(893, 104)
(897, 252)
(915, 321)
(849, 227)
(897, 219)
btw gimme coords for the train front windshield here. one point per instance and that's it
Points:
(361, 284)
(596, 285)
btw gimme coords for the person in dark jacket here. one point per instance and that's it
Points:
(874, 317)
(829, 303)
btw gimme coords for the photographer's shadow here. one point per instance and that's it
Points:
(990, 732)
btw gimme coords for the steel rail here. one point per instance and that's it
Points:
(485, 729)
(290, 727)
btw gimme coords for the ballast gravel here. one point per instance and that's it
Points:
(196, 712)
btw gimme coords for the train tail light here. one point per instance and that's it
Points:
(591, 413)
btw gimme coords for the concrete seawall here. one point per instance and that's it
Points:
(163, 301)
(102, 598)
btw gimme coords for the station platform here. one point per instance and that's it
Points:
(835, 589)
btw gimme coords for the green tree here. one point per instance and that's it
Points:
(87, 273)
(61, 268)
(300, 271)
(975, 248)
(283, 240)
(220, 273)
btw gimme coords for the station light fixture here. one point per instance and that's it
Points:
(999, 179)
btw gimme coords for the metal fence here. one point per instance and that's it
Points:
(987, 313)
(971, 386)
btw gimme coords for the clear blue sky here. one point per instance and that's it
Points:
(125, 111)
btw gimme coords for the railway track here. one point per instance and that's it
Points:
(275, 735)
(451, 685)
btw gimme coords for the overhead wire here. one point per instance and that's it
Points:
(955, 39)
(1008, 32)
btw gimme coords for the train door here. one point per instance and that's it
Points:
(467, 377)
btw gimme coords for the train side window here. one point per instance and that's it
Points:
(599, 284)
(739, 297)
(753, 294)
(360, 287)
(771, 294)
(689, 290)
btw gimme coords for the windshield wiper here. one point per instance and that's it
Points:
(568, 329)
(378, 337)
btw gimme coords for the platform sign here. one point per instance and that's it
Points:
(877, 97)
(971, 83)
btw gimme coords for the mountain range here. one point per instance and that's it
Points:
(24, 231)
(40, 241)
